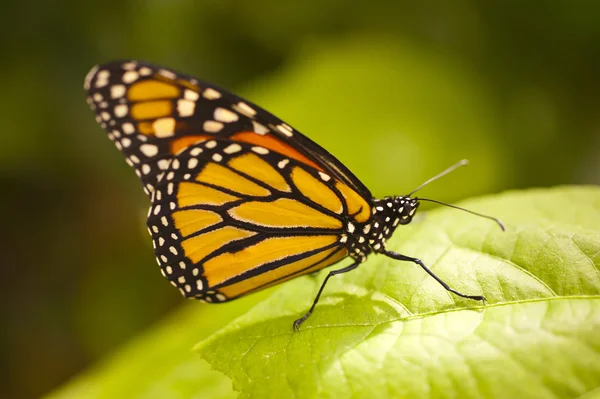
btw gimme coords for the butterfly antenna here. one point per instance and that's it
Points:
(465, 210)
(457, 165)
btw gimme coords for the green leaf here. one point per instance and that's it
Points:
(160, 363)
(388, 330)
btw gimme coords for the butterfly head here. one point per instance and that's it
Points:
(405, 208)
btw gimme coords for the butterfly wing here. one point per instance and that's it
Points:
(151, 113)
(229, 218)
(240, 200)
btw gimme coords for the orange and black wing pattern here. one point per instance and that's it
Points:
(151, 113)
(240, 200)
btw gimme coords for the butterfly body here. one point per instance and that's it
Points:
(240, 200)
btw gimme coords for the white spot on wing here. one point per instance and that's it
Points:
(225, 115)
(89, 76)
(130, 77)
(211, 94)
(232, 148)
(148, 150)
(244, 109)
(281, 164)
(191, 95)
(212, 126)
(117, 91)
(121, 110)
(260, 150)
(260, 129)
(186, 108)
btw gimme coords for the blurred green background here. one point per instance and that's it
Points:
(397, 90)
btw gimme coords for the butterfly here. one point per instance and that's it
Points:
(240, 200)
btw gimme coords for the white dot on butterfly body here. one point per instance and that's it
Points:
(350, 228)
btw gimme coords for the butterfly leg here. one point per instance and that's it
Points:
(331, 273)
(398, 256)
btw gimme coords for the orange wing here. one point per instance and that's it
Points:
(229, 218)
(152, 113)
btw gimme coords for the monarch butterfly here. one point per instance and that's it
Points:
(240, 200)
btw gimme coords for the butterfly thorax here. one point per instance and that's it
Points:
(387, 214)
